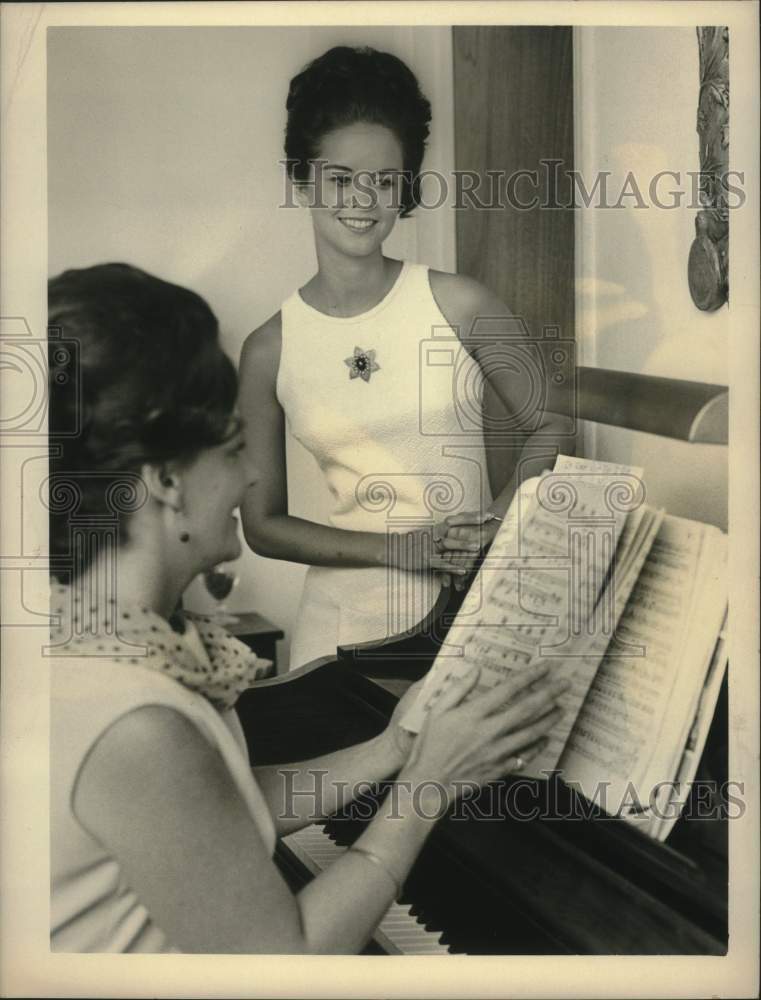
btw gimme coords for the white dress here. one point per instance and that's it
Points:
(400, 447)
(93, 908)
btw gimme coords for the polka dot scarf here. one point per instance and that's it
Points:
(141, 637)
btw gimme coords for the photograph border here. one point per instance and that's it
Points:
(27, 967)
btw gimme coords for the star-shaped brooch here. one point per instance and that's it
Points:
(362, 364)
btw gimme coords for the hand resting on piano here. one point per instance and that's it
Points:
(461, 744)
(221, 892)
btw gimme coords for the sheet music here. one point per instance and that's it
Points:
(681, 739)
(637, 538)
(618, 735)
(533, 598)
(670, 802)
(494, 629)
(631, 620)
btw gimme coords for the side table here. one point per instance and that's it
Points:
(258, 633)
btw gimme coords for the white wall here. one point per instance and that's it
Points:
(636, 99)
(163, 152)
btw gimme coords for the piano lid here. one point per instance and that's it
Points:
(697, 412)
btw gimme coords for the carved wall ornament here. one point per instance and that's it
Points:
(708, 262)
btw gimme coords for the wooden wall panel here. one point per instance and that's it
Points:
(513, 90)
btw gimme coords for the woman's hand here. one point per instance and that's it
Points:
(451, 548)
(397, 741)
(464, 537)
(481, 739)
(422, 550)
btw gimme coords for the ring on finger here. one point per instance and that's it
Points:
(520, 763)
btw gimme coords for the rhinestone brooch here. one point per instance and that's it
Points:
(362, 364)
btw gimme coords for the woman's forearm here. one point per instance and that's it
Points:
(281, 536)
(341, 907)
(307, 791)
(537, 454)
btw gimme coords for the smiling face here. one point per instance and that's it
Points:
(360, 176)
(213, 486)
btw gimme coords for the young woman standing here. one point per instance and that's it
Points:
(344, 363)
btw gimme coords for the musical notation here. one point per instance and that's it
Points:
(543, 603)
(621, 600)
(630, 696)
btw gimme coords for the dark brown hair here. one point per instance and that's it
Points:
(347, 85)
(136, 375)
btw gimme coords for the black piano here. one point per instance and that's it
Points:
(549, 885)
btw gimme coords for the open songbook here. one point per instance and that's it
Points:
(629, 603)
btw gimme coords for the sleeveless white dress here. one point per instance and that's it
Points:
(93, 907)
(400, 447)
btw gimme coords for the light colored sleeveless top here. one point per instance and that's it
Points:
(400, 449)
(93, 908)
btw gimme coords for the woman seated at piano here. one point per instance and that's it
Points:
(341, 364)
(162, 836)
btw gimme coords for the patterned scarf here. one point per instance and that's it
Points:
(139, 636)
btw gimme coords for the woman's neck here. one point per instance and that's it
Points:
(141, 578)
(347, 286)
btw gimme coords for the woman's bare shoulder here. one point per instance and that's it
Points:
(132, 745)
(461, 298)
(261, 348)
(159, 797)
(143, 731)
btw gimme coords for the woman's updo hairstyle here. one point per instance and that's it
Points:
(348, 85)
(136, 375)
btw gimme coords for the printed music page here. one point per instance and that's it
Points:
(479, 634)
(684, 727)
(673, 798)
(620, 735)
(583, 661)
(541, 588)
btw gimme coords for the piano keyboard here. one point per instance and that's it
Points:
(399, 932)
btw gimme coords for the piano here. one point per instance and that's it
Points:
(548, 885)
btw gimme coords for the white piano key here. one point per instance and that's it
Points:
(398, 932)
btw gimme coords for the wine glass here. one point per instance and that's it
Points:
(219, 583)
